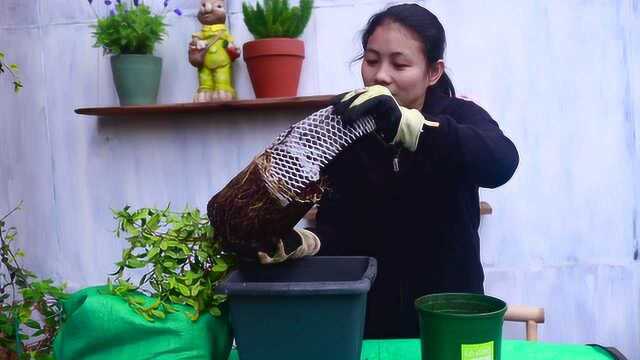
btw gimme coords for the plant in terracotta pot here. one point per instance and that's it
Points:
(129, 33)
(274, 59)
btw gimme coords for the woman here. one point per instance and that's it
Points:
(408, 195)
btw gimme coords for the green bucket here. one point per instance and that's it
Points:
(460, 326)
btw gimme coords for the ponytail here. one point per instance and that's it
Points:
(444, 86)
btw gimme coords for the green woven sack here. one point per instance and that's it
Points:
(101, 326)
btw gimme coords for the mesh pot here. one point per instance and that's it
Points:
(261, 204)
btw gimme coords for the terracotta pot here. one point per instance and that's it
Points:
(274, 66)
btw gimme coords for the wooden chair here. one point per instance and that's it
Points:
(531, 316)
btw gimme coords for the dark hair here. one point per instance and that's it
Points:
(428, 28)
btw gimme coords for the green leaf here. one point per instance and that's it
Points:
(175, 299)
(175, 255)
(159, 314)
(33, 324)
(131, 229)
(184, 290)
(153, 222)
(202, 255)
(172, 283)
(156, 304)
(220, 267)
(145, 316)
(153, 252)
(219, 298)
(135, 263)
(193, 303)
(215, 311)
(168, 308)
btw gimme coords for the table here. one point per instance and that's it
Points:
(409, 349)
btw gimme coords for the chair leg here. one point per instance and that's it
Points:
(532, 330)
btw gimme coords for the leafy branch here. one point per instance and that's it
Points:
(30, 312)
(13, 70)
(182, 263)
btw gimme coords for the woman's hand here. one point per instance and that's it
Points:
(306, 244)
(395, 123)
(375, 101)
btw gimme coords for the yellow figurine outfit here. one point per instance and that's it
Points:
(215, 75)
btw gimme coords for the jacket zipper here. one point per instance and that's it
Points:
(396, 161)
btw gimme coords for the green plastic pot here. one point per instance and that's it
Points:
(460, 326)
(137, 78)
(312, 308)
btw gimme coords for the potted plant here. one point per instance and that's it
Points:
(129, 33)
(172, 311)
(274, 59)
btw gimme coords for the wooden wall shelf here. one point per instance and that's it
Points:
(181, 108)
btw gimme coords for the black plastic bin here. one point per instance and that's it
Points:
(313, 308)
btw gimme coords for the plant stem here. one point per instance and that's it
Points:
(12, 211)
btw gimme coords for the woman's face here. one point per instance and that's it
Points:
(394, 58)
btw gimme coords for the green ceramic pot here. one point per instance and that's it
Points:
(137, 78)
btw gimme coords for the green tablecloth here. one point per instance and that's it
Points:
(409, 349)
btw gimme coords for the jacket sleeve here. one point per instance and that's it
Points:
(468, 143)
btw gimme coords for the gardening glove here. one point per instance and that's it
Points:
(298, 243)
(396, 124)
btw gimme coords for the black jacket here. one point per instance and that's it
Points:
(420, 222)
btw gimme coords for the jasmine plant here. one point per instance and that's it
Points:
(181, 261)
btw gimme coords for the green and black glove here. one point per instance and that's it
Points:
(298, 243)
(396, 124)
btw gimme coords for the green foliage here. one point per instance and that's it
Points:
(182, 263)
(276, 18)
(30, 312)
(13, 70)
(130, 30)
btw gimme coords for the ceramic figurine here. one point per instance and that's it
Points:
(212, 51)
